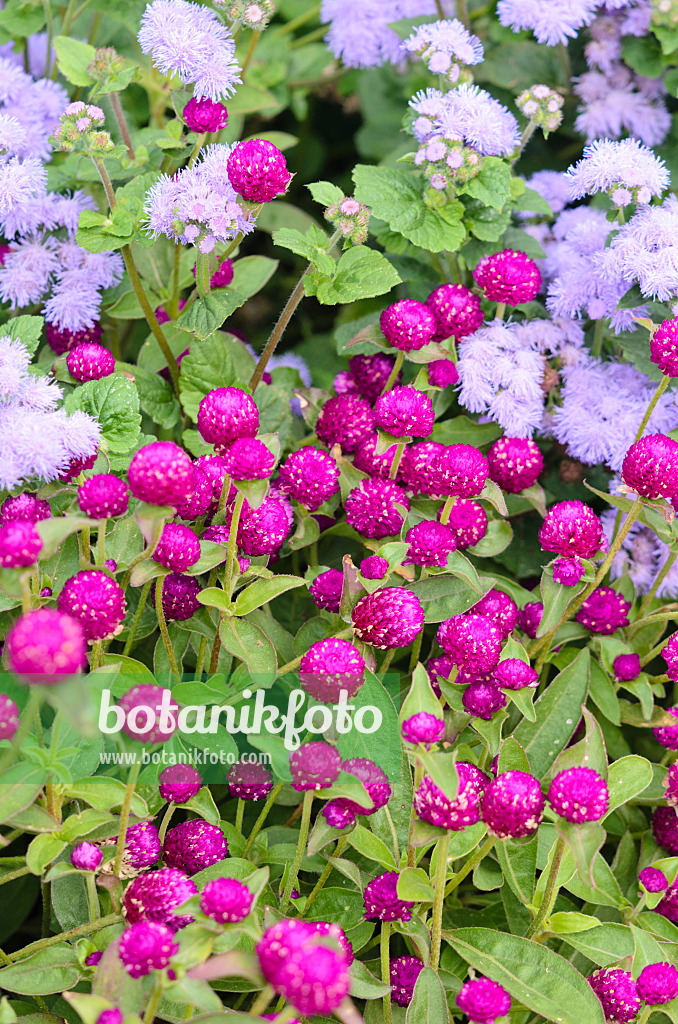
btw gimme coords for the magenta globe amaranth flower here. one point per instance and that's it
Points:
(468, 522)
(572, 528)
(374, 463)
(408, 325)
(404, 412)
(665, 829)
(9, 717)
(226, 414)
(482, 698)
(214, 469)
(142, 845)
(312, 976)
(617, 993)
(263, 530)
(161, 473)
(500, 609)
(604, 612)
(204, 115)
(337, 816)
(567, 572)
(579, 794)
(650, 467)
(20, 544)
(664, 347)
(90, 362)
(248, 459)
(430, 544)
(248, 781)
(311, 476)
(668, 907)
(257, 170)
(96, 601)
(45, 646)
(346, 420)
(657, 983)
(178, 547)
(194, 845)
(508, 276)
(314, 765)
(373, 508)
(459, 470)
(369, 374)
(61, 339)
(431, 804)
(512, 805)
(155, 896)
(483, 1000)
(325, 590)
(102, 496)
(442, 373)
(515, 463)
(143, 710)
(226, 900)
(671, 786)
(670, 655)
(374, 567)
(529, 618)
(180, 596)
(456, 309)
(388, 618)
(86, 857)
(24, 508)
(472, 641)
(403, 974)
(423, 727)
(330, 666)
(653, 880)
(179, 782)
(201, 497)
(626, 667)
(417, 468)
(94, 959)
(375, 781)
(515, 674)
(381, 900)
(147, 947)
(77, 466)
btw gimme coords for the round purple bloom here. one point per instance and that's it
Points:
(417, 468)
(200, 499)
(405, 412)
(460, 470)
(433, 806)
(668, 907)
(226, 414)
(147, 947)
(180, 596)
(508, 276)
(388, 618)
(403, 976)
(650, 467)
(483, 1000)
(626, 667)
(204, 115)
(346, 420)
(61, 340)
(330, 666)
(311, 476)
(249, 781)
(664, 347)
(499, 608)
(605, 611)
(178, 547)
(375, 781)
(665, 829)
(213, 467)
(377, 464)
(572, 528)
(315, 765)
(194, 845)
(468, 523)
(430, 544)
(86, 856)
(653, 880)
(472, 641)
(226, 900)
(280, 942)
(142, 845)
(102, 496)
(370, 373)
(374, 567)
(658, 983)
(248, 459)
(326, 589)
(257, 170)
(179, 782)
(670, 655)
(263, 530)
(20, 544)
(457, 311)
(90, 362)
(315, 980)
(482, 698)
(567, 571)
(94, 959)
(145, 696)
(45, 646)
(423, 728)
(515, 674)
(24, 508)
(114, 1016)
(515, 463)
(9, 717)
(96, 601)
(337, 816)
(529, 618)
(161, 473)
(579, 794)
(512, 805)
(408, 325)
(442, 373)
(617, 992)
(372, 508)
(154, 897)
(671, 786)
(381, 900)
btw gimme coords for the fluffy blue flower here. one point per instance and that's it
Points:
(471, 115)
(551, 186)
(620, 102)
(27, 273)
(359, 32)
(552, 22)
(188, 40)
(443, 45)
(627, 170)
(20, 181)
(646, 250)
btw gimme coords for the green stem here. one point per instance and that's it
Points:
(231, 552)
(645, 1015)
(501, 310)
(239, 814)
(262, 1001)
(197, 146)
(386, 663)
(443, 850)
(101, 543)
(49, 21)
(167, 817)
(301, 850)
(297, 22)
(92, 897)
(329, 868)
(470, 865)
(659, 579)
(528, 132)
(661, 388)
(396, 460)
(447, 509)
(393, 375)
(176, 273)
(124, 816)
(85, 536)
(550, 892)
(150, 316)
(385, 957)
(97, 657)
(163, 628)
(143, 596)
(655, 651)
(10, 876)
(30, 713)
(68, 18)
(203, 274)
(411, 852)
(54, 940)
(153, 1001)
(114, 98)
(256, 36)
(256, 828)
(598, 334)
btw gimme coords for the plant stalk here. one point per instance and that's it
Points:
(443, 850)
(385, 957)
(550, 892)
(256, 828)
(124, 816)
(301, 850)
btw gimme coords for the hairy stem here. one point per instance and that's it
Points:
(443, 850)
(256, 828)
(393, 375)
(231, 552)
(92, 897)
(143, 596)
(470, 865)
(163, 627)
(329, 868)
(659, 579)
(550, 892)
(124, 816)
(661, 388)
(301, 850)
(164, 825)
(54, 940)
(385, 957)
(119, 113)
(153, 1001)
(203, 274)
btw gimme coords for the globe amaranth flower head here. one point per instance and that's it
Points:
(142, 845)
(381, 900)
(658, 983)
(457, 311)
(180, 596)
(197, 205)
(155, 896)
(325, 590)
(508, 276)
(667, 735)
(194, 845)
(311, 476)
(146, 728)
(515, 463)
(388, 618)
(24, 508)
(408, 325)
(653, 880)
(579, 794)
(330, 666)
(161, 473)
(650, 467)
(664, 347)
(627, 171)
(20, 545)
(604, 612)
(483, 1000)
(512, 805)
(551, 23)
(374, 780)
(179, 782)
(147, 947)
(431, 804)
(204, 115)
(188, 40)
(376, 508)
(665, 829)
(403, 974)
(96, 601)
(444, 45)
(347, 420)
(374, 567)
(86, 857)
(482, 697)
(616, 990)
(515, 674)
(404, 412)
(249, 781)
(572, 528)
(306, 964)
(499, 608)
(473, 642)
(226, 414)
(430, 544)
(468, 522)
(315, 765)
(257, 171)
(45, 646)
(9, 717)
(226, 900)
(423, 727)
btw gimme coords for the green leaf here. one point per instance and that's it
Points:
(249, 99)
(532, 974)
(53, 532)
(249, 643)
(414, 885)
(421, 696)
(532, 201)
(73, 59)
(42, 851)
(370, 846)
(429, 1001)
(363, 984)
(512, 757)
(396, 196)
(155, 395)
(627, 779)
(49, 970)
(589, 751)
(262, 591)
(26, 329)
(443, 596)
(518, 863)
(206, 367)
(312, 246)
(325, 193)
(566, 923)
(382, 746)
(361, 273)
(492, 185)
(558, 713)
(105, 795)
(205, 316)
(20, 785)
(555, 598)
(584, 841)
(497, 538)
(604, 945)
(114, 402)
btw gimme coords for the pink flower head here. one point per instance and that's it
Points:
(226, 900)
(161, 473)
(650, 467)
(388, 618)
(249, 781)
(431, 804)
(325, 591)
(664, 347)
(423, 727)
(257, 170)
(311, 476)
(512, 805)
(373, 508)
(499, 608)
(515, 463)
(180, 596)
(330, 666)
(403, 976)
(20, 544)
(408, 325)
(102, 496)
(483, 1000)
(572, 528)
(226, 414)
(346, 420)
(579, 794)
(456, 309)
(90, 361)
(617, 993)
(382, 902)
(482, 697)
(147, 947)
(468, 522)
(204, 115)
(45, 646)
(472, 641)
(508, 276)
(430, 544)
(179, 782)
(460, 470)
(96, 601)
(178, 547)
(605, 611)
(404, 412)
(194, 845)
(665, 829)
